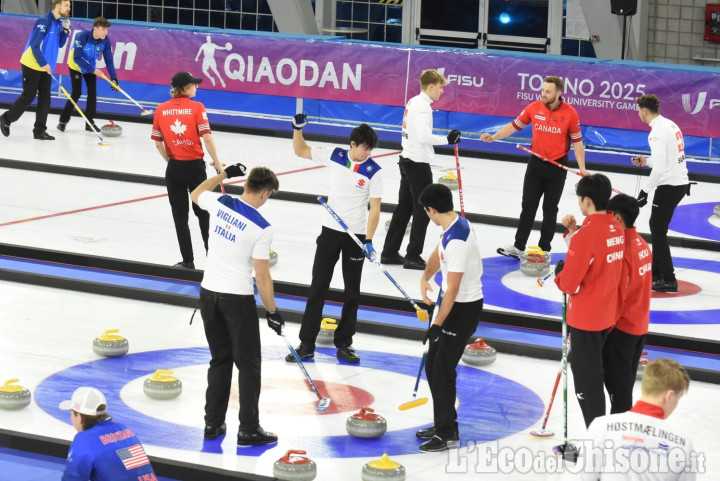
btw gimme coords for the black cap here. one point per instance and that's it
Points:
(181, 79)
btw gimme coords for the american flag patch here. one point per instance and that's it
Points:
(133, 457)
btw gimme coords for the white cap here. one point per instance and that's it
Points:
(86, 400)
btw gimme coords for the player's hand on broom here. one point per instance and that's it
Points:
(369, 250)
(453, 137)
(275, 321)
(559, 267)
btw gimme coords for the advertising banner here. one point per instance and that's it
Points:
(603, 92)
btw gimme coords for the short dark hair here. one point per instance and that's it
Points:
(438, 197)
(261, 179)
(101, 22)
(597, 187)
(364, 134)
(650, 102)
(626, 207)
(557, 81)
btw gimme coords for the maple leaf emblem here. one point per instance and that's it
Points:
(178, 128)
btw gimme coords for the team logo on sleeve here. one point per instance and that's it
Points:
(205, 115)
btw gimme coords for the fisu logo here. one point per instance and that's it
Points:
(700, 104)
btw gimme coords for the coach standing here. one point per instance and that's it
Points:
(669, 178)
(239, 243)
(48, 35)
(415, 174)
(555, 125)
(177, 128)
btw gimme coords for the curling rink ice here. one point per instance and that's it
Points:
(46, 334)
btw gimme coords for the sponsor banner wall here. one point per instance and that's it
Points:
(603, 92)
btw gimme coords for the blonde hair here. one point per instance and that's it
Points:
(664, 374)
(431, 76)
(180, 91)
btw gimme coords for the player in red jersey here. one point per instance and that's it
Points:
(625, 342)
(177, 128)
(555, 125)
(590, 276)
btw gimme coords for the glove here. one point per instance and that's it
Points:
(369, 250)
(115, 85)
(642, 198)
(299, 121)
(235, 170)
(433, 333)
(275, 321)
(453, 137)
(65, 21)
(559, 267)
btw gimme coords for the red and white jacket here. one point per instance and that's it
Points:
(636, 285)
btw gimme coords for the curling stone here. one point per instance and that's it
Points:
(450, 180)
(366, 424)
(293, 467)
(383, 469)
(110, 345)
(162, 385)
(273, 257)
(14, 397)
(534, 262)
(326, 336)
(641, 368)
(111, 130)
(407, 227)
(716, 210)
(479, 354)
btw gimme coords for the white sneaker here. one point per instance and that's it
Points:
(510, 251)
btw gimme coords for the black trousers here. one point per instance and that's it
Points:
(414, 177)
(34, 82)
(442, 360)
(586, 362)
(665, 200)
(91, 102)
(232, 329)
(181, 176)
(621, 355)
(545, 180)
(331, 246)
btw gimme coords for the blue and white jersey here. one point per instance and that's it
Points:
(352, 185)
(459, 252)
(238, 234)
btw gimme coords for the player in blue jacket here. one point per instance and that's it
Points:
(39, 57)
(102, 450)
(89, 45)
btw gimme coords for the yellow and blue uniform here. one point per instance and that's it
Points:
(46, 39)
(87, 50)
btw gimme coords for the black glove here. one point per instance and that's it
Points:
(235, 170)
(299, 121)
(453, 137)
(275, 321)
(559, 267)
(115, 84)
(642, 198)
(433, 333)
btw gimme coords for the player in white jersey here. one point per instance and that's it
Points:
(415, 174)
(458, 257)
(669, 179)
(239, 242)
(640, 445)
(355, 182)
